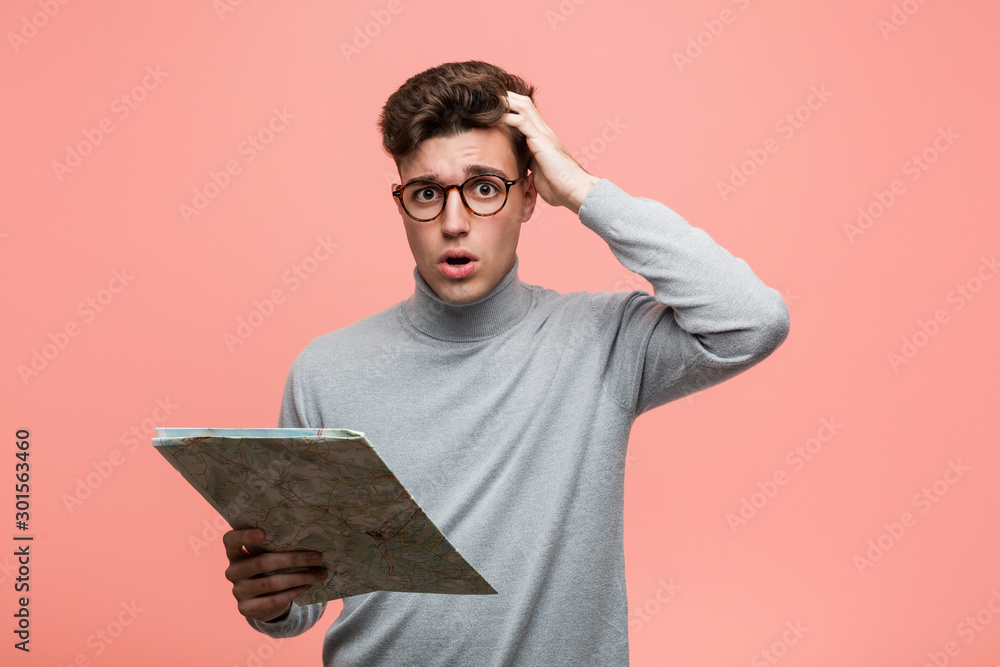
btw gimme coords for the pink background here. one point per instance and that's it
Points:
(138, 545)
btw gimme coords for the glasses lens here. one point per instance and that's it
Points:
(485, 195)
(423, 199)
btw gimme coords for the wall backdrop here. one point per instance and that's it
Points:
(194, 190)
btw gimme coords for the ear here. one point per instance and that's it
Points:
(395, 199)
(530, 196)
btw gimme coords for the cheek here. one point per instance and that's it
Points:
(417, 239)
(512, 230)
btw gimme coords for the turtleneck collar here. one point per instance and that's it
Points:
(506, 304)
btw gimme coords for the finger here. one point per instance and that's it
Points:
(513, 103)
(522, 105)
(528, 127)
(234, 540)
(265, 608)
(517, 120)
(267, 563)
(269, 585)
(518, 99)
(532, 128)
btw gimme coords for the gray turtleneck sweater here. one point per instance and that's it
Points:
(508, 420)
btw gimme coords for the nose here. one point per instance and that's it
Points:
(454, 217)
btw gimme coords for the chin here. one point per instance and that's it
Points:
(464, 298)
(462, 294)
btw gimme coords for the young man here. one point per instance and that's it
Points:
(505, 408)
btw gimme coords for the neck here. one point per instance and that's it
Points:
(495, 313)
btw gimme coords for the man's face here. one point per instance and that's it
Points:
(491, 240)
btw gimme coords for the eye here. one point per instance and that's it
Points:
(485, 188)
(426, 193)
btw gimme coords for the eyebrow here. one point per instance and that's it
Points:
(470, 170)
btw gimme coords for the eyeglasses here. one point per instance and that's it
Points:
(483, 194)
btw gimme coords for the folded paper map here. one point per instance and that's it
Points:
(323, 490)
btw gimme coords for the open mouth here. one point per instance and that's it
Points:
(457, 260)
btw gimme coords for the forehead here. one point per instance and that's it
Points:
(455, 158)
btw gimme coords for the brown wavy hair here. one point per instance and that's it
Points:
(450, 99)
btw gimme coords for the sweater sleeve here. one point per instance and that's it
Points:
(299, 619)
(709, 319)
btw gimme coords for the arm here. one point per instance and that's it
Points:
(711, 317)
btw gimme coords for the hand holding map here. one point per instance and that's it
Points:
(324, 490)
(265, 585)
